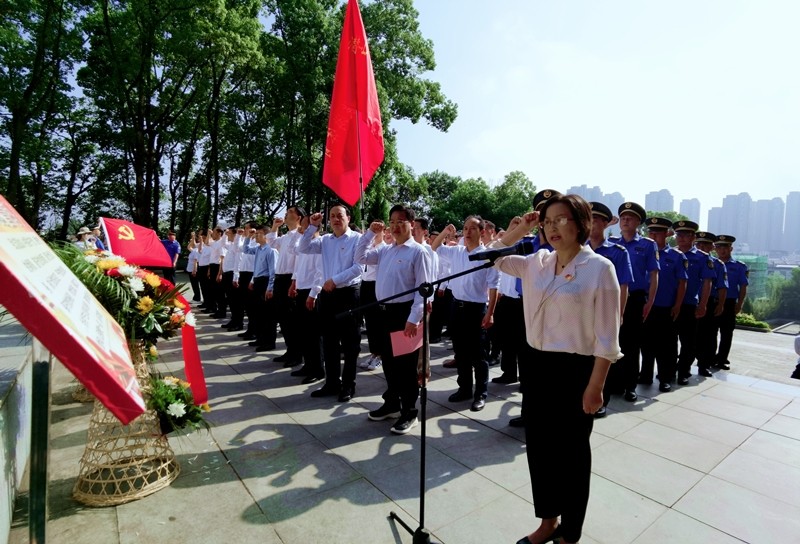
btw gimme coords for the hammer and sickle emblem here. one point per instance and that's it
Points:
(125, 233)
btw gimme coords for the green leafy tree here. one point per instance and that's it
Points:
(470, 197)
(511, 198)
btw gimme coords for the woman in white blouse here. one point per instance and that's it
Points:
(571, 306)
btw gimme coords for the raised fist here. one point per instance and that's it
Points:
(315, 219)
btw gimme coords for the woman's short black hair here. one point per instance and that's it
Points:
(580, 210)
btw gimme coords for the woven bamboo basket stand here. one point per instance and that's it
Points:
(122, 463)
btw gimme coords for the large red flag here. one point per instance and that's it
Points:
(138, 245)
(354, 147)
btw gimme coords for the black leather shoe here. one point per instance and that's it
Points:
(477, 405)
(722, 366)
(311, 379)
(704, 372)
(664, 387)
(235, 328)
(554, 537)
(683, 380)
(300, 372)
(282, 358)
(325, 391)
(218, 315)
(347, 393)
(630, 396)
(516, 422)
(601, 413)
(458, 396)
(505, 379)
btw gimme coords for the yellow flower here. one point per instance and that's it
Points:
(145, 305)
(205, 407)
(108, 264)
(178, 304)
(153, 351)
(152, 280)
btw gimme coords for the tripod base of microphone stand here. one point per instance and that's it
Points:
(421, 535)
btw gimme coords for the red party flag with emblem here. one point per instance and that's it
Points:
(136, 244)
(354, 147)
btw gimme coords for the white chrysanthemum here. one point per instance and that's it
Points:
(127, 270)
(170, 382)
(136, 285)
(190, 320)
(91, 259)
(176, 409)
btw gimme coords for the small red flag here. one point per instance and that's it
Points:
(136, 244)
(354, 147)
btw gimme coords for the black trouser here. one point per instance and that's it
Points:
(205, 286)
(372, 317)
(467, 345)
(553, 407)
(441, 312)
(169, 274)
(402, 387)
(196, 294)
(248, 301)
(707, 328)
(727, 322)
(509, 321)
(218, 302)
(232, 297)
(312, 335)
(625, 373)
(660, 345)
(340, 335)
(687, 333)
(287, 315)
(265, 325)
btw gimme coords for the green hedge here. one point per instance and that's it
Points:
(747, 320)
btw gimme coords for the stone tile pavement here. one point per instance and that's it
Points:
(716, 461)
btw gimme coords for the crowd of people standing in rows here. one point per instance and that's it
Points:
(582, 318)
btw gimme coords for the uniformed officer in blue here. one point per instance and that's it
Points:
(695, 301)
(602, 218)
(643, 254)
(738, 275)
(708, 325)
(660, 330)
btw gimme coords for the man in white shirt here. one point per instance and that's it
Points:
(402, 265)
(471, 313)
(283, 305)
(340, 293)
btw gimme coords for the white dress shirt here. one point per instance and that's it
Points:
(287, 247)
(308, 273)
(337, 255)
(475, 286)
(400, 268)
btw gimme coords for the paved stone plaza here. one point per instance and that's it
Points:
(717, 461)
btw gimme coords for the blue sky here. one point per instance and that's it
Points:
(700, 97)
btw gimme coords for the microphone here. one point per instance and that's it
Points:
(523, 247)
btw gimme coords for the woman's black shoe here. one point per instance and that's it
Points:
(555, 536)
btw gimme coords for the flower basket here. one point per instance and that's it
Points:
(122, 463)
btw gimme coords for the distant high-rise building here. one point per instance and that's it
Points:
(691, 209)
(714, 220)
(736, 216)
(590, 194)
(659, 201)
(791, 227)
(766, 226)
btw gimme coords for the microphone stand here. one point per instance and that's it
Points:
(421, 535)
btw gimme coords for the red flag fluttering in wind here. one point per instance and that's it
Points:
(138, 245)
(354, 148)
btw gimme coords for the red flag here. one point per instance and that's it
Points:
(138, 245)
(355, 132)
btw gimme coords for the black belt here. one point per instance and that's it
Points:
(466, 303)
(395, 306)
(282, 275)
(638, 293)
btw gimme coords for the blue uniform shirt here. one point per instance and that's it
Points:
(643, 253)
(264, 265)
(737, 276)
(618, 255)
(674, 265)
(701, 268)
(537, 244)
(721, 281)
